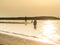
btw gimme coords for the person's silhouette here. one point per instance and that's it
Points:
(25, 21)
(35, 23)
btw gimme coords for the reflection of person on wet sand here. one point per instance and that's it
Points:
(32, 21)
(35, 23)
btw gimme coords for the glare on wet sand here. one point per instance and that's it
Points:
(47, 31)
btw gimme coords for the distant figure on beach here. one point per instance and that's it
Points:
(25, 21)
(35, 23)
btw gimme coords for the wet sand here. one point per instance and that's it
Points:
(12, 40)
(42, 31)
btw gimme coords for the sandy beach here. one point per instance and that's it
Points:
(12, 40)
(14, 32)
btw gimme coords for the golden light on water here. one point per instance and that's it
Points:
(47, 31)
(48, 28)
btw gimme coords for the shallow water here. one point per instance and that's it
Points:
(46, 29)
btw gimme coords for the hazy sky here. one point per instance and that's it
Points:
(29, 8)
